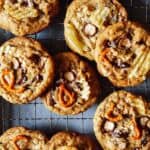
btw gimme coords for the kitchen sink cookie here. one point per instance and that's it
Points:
(123, 54)
(23, 17)
(76, 86)
(70, 141)
(85, 19)
(20, 138)
(26, 70)
(122, 122)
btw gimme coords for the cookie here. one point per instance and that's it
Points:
(20, 138)
(122, 122)
(76, 86)
(123, 54)
(85, 19)
(26, 70)
(70, 141)
(23, 17)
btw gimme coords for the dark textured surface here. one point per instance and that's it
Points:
(34, 115)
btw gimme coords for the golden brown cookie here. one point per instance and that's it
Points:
(85, 19)
(123, 54)
(23, 17)
(122, 122)
(26, 70)
(76, 86)
(20, 138)
(70, 141)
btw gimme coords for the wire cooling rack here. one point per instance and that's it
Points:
(34, 115)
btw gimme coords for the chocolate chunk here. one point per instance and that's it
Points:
(24, 3)
(35, 58)
(129, 36)
(144, 142)
(38, 78)
(141, 42)
(108, 44)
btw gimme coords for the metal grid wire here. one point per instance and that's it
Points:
(34, 115)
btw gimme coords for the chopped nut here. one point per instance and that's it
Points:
(109, 126)
(69, 76)
(90, 29)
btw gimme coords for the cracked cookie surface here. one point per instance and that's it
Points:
(123, 54)
(20, 138)
(70, 141)
(122, 122)
(86, 19)
(76, 85)
(26, 70)
(23, 17)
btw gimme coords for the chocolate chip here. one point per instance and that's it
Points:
(129, 36)
(108, 43)
(144, 142)
(24, 3)
(141, 42)
(38, 78)
(35, 58)
(119, 133)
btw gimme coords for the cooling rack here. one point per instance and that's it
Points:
(34, 115)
